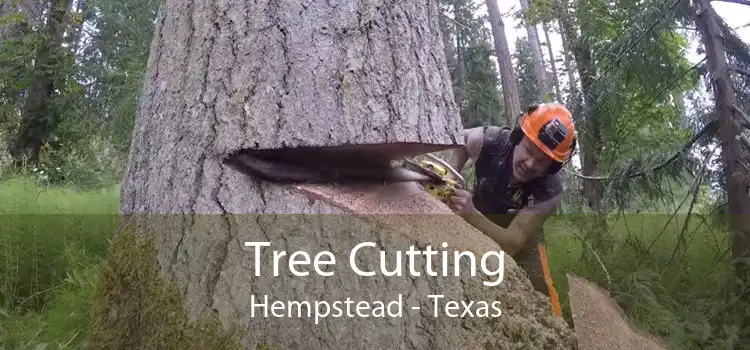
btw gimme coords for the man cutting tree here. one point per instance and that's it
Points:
(513, 165)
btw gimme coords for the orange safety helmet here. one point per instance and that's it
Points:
(550, 127)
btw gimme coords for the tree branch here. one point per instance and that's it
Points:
(745, 140)
(744, 72)
(707, 129)
(741, 2)
(453, 20)
(745, 118)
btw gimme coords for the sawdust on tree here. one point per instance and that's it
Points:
(600, 323)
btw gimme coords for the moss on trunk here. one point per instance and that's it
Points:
(136, 308)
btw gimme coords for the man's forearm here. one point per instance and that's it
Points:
(513, 238)
(510, 241)
(530, 220)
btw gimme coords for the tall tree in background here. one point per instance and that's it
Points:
(473, 73)
(502, 53)
(624, 104)
(545, 89)
(528, 86)
(19, 25)
(570, 69)
(90, 76)
(38, 116)
(553, 63)
(116, 57)
(735, 158)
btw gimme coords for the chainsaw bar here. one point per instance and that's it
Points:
(416, 167)
(321, 167)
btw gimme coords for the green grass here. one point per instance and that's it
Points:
(54, 238)
(677, 294)
(51, 243)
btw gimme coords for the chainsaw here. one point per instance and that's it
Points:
(444, 179)
(331, 165)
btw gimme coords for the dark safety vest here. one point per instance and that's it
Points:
(494, 195)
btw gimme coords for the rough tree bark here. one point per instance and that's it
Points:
(235, 75)
(729, 129)
(511, 97)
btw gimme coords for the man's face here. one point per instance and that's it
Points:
(529, 161)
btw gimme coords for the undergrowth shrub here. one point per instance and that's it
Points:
(670, 278)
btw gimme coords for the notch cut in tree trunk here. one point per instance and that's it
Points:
(291, 74)
(232, 76)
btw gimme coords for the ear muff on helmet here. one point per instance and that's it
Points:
(517, 135)
(556, 166)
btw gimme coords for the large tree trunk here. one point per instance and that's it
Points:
(512, 100)
(679, 104)
(38, 116)
(732, 154)
(295, 74)
(448, 48)
(569, 65)
(286, 84)
(553, 64)
(536, 54)
(590, 140)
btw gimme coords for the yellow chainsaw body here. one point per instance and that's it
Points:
(443, 190)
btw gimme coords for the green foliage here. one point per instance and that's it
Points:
(475, 78)
(482, 105)
(64, 322)
(97, 81)
(528, 87)
(637, 66)
(16, 53)
(668, 273)
(117, 59)
(54, 244)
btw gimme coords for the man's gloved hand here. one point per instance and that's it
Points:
(461, 202)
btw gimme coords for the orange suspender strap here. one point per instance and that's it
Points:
(556, 309)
